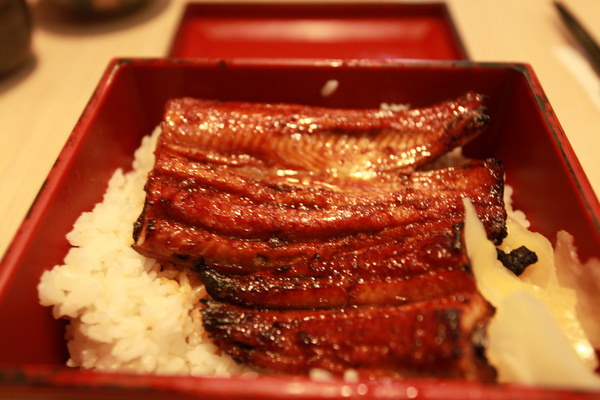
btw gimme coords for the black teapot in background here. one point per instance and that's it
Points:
(15, 35)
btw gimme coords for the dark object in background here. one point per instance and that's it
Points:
(15, 34)
(588, 45)
(99, 8)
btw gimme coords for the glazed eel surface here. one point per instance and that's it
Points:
(320, 238)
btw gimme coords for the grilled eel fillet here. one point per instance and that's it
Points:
(336, 142)
(286, 206)
(234, 184)
(190, 224)
(422, 339)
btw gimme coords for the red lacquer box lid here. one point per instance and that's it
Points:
(128, 104)
(318, 31)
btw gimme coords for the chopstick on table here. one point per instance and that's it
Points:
(581, 35)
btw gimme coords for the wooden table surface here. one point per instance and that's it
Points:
(40, 103)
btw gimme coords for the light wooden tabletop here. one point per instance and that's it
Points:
(40, 103)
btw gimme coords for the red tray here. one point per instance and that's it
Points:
(343, 31)
(128, 104)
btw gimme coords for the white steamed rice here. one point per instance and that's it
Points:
(125, 313)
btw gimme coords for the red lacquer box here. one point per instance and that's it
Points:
(549, 183)
(366, 30)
